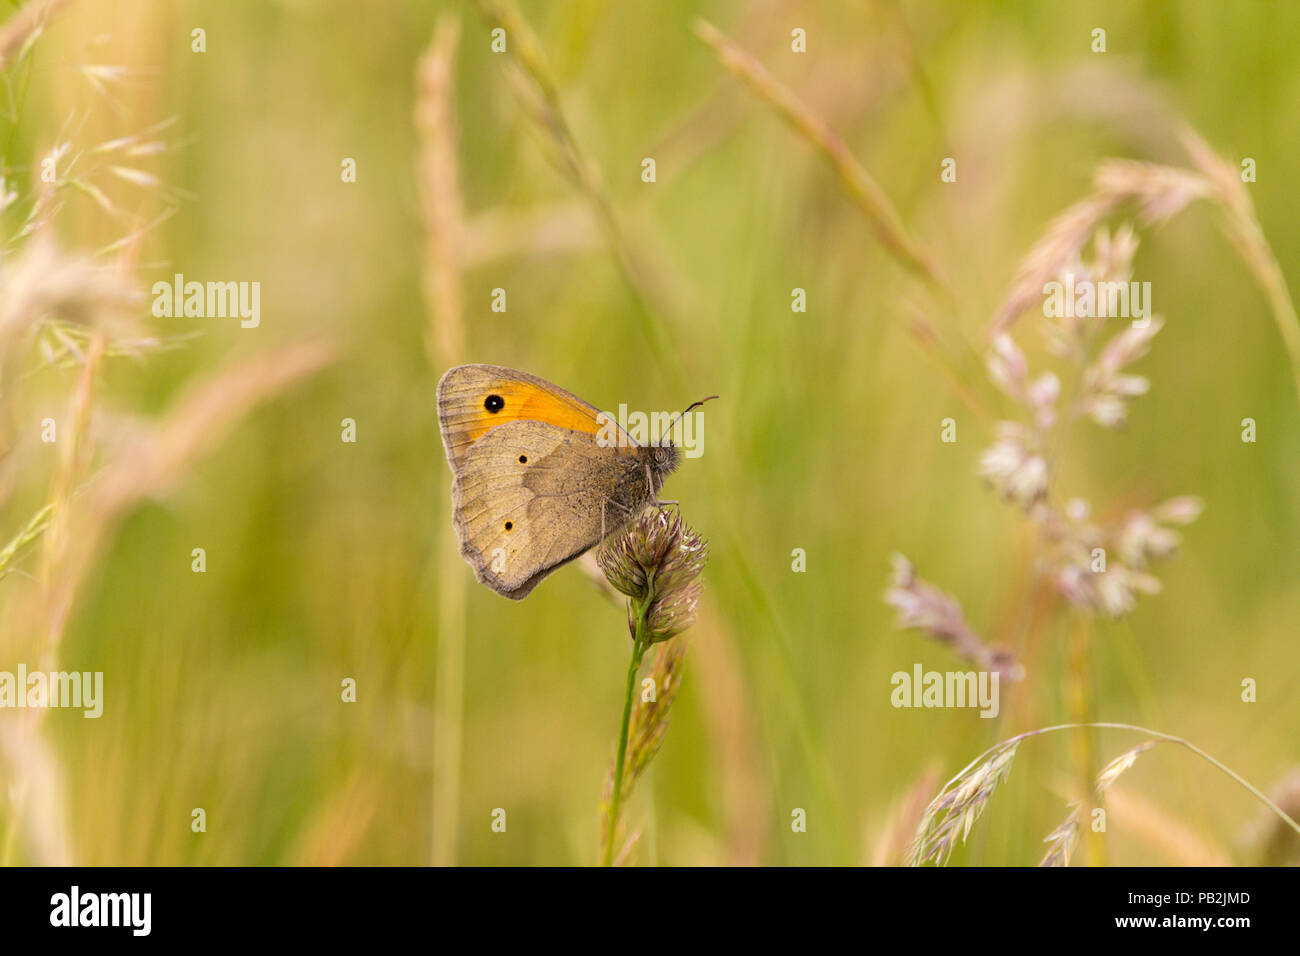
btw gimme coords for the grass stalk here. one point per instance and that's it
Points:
(639, 645)
(957, 359)
(439, 178)
(541, 100)
(1079, 702)
(1242, 228)
(883, 218)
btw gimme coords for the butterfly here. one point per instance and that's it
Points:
(538, 475)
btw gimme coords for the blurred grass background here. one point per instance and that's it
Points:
(326, 560)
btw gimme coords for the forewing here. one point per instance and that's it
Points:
(474, 399)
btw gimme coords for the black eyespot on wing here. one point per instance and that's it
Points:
(523, 459)
(509, 525)
(494, 403)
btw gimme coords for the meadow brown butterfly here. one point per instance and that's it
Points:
(532, 487)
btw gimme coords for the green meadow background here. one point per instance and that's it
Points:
(328, 560)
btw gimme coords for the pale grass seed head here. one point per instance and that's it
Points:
(1065, 838)
(922, 606)
(657, 558)
(949, 817)
(1062, 841)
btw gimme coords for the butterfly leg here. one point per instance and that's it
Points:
(655, 500)
(610, 501)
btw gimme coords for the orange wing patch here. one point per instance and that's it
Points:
(474, 399)
(499, 402)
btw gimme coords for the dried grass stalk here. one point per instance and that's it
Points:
(1243, 230)
(893, 844)
(24, 27)
(41, 282)
(439, 175)
(881, 215)
(536, 92)
(439, 179)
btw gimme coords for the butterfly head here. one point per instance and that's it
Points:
(663, 460)
(663, 457)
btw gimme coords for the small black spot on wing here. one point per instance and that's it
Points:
(494, 403)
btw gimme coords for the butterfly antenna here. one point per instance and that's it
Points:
(682, 414)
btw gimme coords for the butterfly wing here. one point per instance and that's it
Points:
(532, 488)
(530, 496)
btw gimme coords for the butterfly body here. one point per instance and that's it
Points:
(538, 475)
